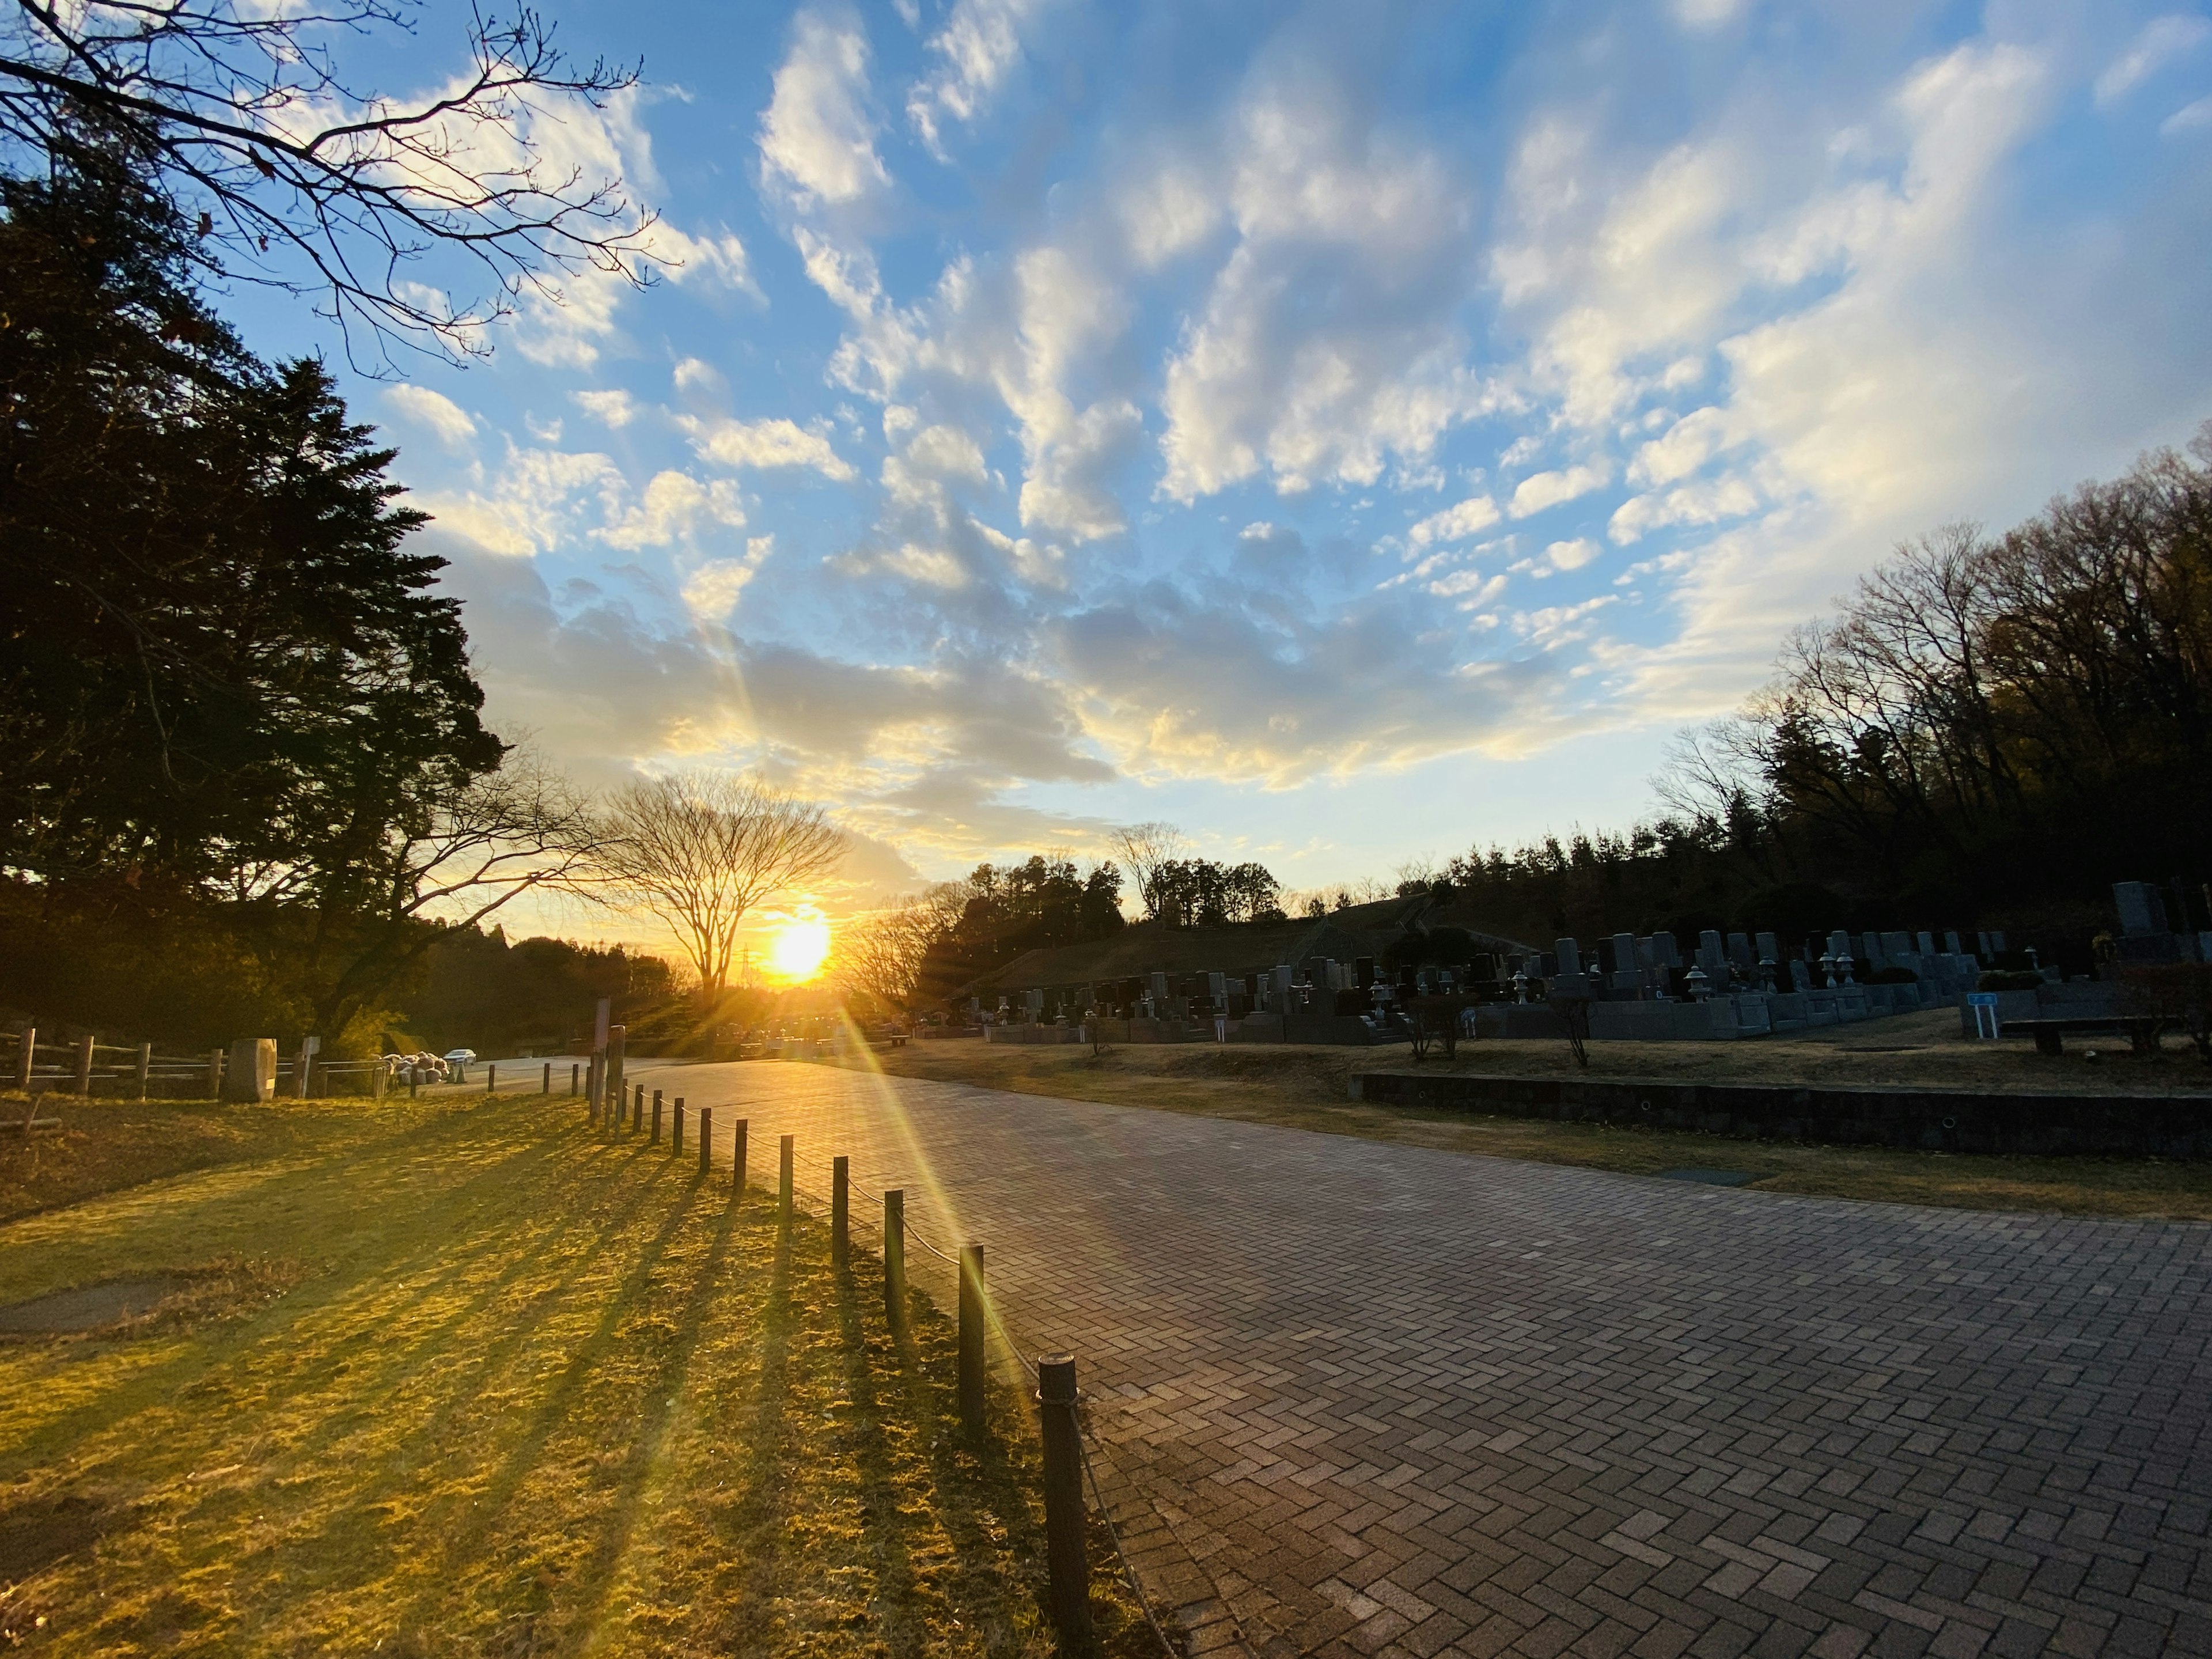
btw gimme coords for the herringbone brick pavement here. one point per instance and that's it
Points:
(1391, 1400)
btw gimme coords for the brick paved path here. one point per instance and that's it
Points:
(1406, 1402)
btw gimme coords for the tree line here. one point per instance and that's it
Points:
(1989, 731)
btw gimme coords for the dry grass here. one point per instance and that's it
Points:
(518, 1391)
(1306, 1088)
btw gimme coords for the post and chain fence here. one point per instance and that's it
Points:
(1067, 1434)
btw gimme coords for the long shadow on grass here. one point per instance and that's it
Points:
(755, 1514)
(981, 1492)
(368, 1390)
(553, 1409)
(888, 1533)
(596, 1580)
(195, 1364)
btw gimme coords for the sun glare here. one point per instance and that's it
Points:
(798, 947)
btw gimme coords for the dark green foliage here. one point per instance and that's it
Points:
(999, 912)
(1201, 893)
(217, 661)
(541, 994)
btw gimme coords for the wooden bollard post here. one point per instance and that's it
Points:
(706, 1138)
(546, 1084)
(840, 1171)
(84, 1066)
(574, 1073)
(656, 1117)
(637, 1110)
(783, 1181)
(895, 1258)
(592, 1092)
(145, 1067)
(411, 1081)
(24, 1063)
(677, 1145)
(971, 1337)
(738, 1157)
(214, 1077)
(491, 1078)
(1068, 1561)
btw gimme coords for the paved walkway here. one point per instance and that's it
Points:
(1406, 1402)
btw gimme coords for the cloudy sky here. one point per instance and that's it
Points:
(1349, 432)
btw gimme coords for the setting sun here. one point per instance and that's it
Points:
(798, 947)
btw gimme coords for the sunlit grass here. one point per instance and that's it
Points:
(533, 1392)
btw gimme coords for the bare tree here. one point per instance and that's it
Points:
(236, 111)
(701, 849)
(1144, 850)
(462, 855)
(882, 955)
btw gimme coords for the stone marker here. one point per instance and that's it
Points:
(2141, 907)
(251, 1076)
(1768, 949)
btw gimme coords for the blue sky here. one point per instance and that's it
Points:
(1349, 433)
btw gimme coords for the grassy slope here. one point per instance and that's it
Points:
(529, 1393)
(1306, 1088)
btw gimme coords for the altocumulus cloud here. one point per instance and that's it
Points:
(1027, 439)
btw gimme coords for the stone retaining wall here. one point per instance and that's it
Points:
(2158, 1126)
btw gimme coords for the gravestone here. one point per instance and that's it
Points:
(1951, 943)
(1896, 944)
(1665, 953)
(1801, 974)
(1997, 940)
(1217, 986)
(1548, 963)
(1160, 989)
(1626, 959)
(1768, 950)
(1870, 948)
(1712, 955)
(1363, 971)
(1739, 952)
(1927, 945)
(1570, 955)
(2141, 907)
(1839, 943)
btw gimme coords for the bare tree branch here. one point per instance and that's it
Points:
(239, 116)
(702, 849)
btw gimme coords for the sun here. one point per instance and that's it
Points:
(798, 947)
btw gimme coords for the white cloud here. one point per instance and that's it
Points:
(979, 43)
(1683, 447)
(768, 443)
(612, 408)
(454, 425)
(675, 505)
(712, 589)
(1707, 14)
(538, 499)
(1454, 524)
(1328, 341)
(2190, 117)
(1168, 212)
(1543, 490)
(1690, 504)
(817, 133)
(1572, 556)
(2158, 43)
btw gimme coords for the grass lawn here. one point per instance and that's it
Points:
(1306, 1088)
(457, 1376)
